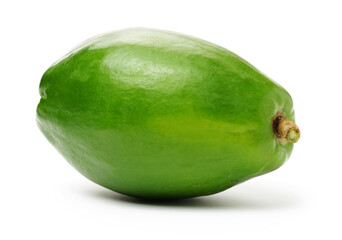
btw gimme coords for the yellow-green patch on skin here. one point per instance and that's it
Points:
(203, 130)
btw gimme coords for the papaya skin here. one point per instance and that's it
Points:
(160, 115)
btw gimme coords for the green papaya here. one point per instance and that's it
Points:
(160, 115)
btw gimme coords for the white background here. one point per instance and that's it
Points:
(296, 43)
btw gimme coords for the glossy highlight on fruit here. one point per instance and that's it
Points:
(160, 115)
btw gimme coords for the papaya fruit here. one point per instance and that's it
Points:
(159, 115)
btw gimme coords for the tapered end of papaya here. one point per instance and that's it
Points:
(285, 130)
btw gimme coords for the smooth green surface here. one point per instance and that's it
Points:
(156, 114)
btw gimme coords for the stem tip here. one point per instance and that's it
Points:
(293, 136)
(285, 129)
